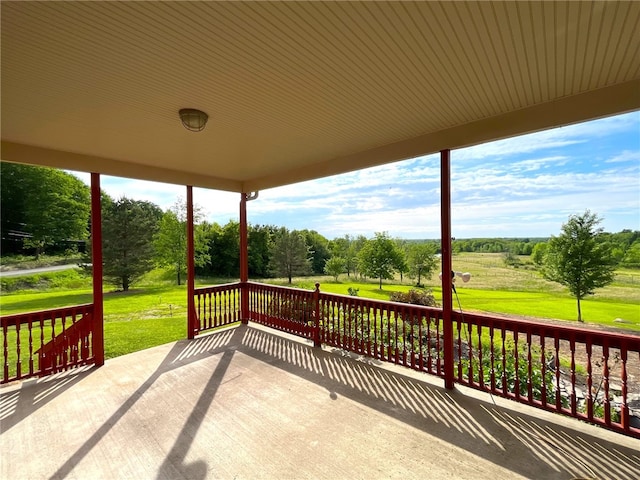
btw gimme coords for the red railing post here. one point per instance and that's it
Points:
(96, 260)
(447, 296)
(244, 260)
(192, 326)
(316, 324)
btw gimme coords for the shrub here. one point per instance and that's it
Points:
(415, 297)
(504, 369)
(294, 309)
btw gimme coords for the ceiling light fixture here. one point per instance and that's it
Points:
(193, 120)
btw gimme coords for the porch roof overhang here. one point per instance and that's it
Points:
(300, 90)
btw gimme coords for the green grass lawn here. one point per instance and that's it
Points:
(154, 312)
(550, 305)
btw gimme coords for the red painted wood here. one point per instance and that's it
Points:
(570, 342)
(96, 257)
(447, 296)
(244, 259)
(68, 346)
(192, 326)
(216, 306)
(244, 240)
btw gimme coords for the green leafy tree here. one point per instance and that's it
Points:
(259, 245)
(422, 260)
(577, 259)
(128, 227)
(403, 266)
(338, 247)
(43, 205)
(170, 242)
(334, 267)
(346, 248)
(224, 249)
(511, 259)
(538, 253)
(632, 256)
(353, 256)
(380, 258)
(290, 254)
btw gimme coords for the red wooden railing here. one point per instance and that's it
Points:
(46, 342)
(579, 372)
(290, 310)
(404, 334)
(584, 373)
(217, 306)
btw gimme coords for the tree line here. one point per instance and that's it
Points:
(46, 210)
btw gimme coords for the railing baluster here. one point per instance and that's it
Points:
(529, 368)
(492, 356)
(30, 327)
(572, 346)
(5, 352)
(395, 316)
(505, 388)
(589, 381)
(624, 408)
(480, 364)
(377, 325)
(459, 359)
(388, 341)
(467, 326)
(439, 353)
(516, 356)
(19, 359)
(556, 357)
(543, 368)
(605, 366)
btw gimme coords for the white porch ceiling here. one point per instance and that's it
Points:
(300, 90)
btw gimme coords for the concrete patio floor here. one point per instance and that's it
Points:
(251, 403)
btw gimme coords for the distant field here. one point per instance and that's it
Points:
(495, 288)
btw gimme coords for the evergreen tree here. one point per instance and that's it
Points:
(128, 227)
(290, 255)
(319, 247)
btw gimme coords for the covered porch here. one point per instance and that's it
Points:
(297, 91)
(250, 402)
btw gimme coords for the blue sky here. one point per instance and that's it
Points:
(524, 186)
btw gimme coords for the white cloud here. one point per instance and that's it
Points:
(556, 138)
(625, 156)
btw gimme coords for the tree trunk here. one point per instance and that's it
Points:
(579, 311)
(178, 272)
(380, 283)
